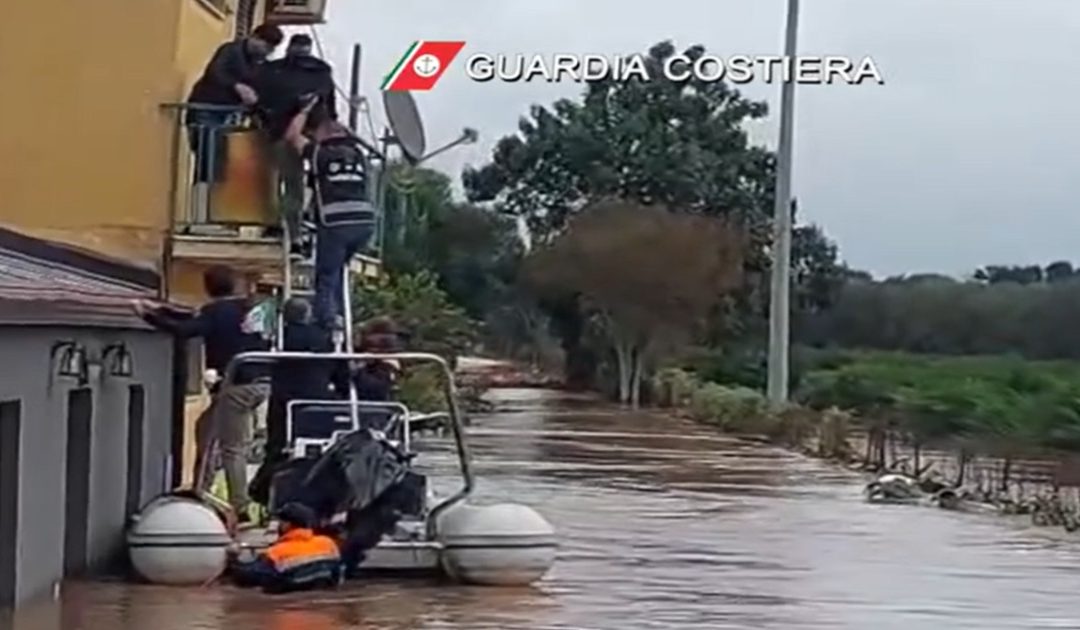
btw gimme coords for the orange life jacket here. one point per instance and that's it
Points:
(300, 555)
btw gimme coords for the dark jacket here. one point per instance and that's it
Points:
(374, 381)
(303, 379)
(232, 63)
(282, 83)
(220, 325)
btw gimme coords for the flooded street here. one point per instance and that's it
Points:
(664, 524)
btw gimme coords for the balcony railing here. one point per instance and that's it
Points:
(225, 186)
(223, 170)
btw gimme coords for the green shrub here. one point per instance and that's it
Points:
(674, 387)
(747, 366)
(734, 408)
(421, 389)
(420, 308)
(738, 367)
(834, 429)
(1000, 404)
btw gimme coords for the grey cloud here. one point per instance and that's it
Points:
(963, 158)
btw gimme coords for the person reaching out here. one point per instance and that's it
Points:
(282, 84)
(222, 324)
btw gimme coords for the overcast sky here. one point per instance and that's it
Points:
(963, 157)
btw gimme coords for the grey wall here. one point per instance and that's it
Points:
(27, 373)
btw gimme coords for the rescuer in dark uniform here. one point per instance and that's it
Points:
(344, 213)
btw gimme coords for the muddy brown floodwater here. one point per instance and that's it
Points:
(664, 524)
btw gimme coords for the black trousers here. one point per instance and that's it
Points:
(274, 455)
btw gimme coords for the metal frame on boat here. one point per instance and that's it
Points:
(413, 546)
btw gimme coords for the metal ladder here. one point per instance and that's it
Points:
(299, 271)
(299, 275)
(299, 281)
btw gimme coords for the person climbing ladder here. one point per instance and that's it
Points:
(345, 216)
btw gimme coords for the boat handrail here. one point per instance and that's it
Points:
(449, 391)
(401, 411)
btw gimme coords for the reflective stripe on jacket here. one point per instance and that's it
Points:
(301, 559)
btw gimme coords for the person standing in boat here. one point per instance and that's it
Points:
(344, 214)
(292, 379)
(375, 379)
(225, 326)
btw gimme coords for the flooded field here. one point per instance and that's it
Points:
(664, 524)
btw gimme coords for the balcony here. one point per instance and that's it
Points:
(296, 12)
(225, 194)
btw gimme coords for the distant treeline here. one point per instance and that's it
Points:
(1031, 311)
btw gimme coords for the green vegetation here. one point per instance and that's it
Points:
(421, 309)
(744, 410)
(1000, 406)
(649, 215)
(639, 306)
(678, 145)
(1021, 310)
(450, 282)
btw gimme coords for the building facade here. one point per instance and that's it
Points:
(87, 400)
(93, 152)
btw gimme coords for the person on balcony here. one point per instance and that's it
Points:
(225, 88)
(223, 324)
(282, 85)
(344, 214)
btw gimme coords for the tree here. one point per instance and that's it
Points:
(645, 277)
(995, 274)
(680, 144)
(1059, 271)
(473, 251)
(817, 275)
(421, 309)
(477, 254)
(427, 194)
(937, 314)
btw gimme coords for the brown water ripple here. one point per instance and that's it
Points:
(664, 524)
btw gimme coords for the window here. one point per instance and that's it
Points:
(194, 367)
(245, 17)
(297, 11)
(80, 414)
(135, 436)
(10, 437)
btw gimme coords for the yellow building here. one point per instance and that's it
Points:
(92, 154)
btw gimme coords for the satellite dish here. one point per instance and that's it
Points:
(405, 122)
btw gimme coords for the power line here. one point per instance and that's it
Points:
(370, 122)
(340, 91)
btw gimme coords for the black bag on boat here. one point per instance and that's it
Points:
(365, 528)
(351, 475)
(361, 475)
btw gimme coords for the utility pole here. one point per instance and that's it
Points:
(780, 300)
(354, 91)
